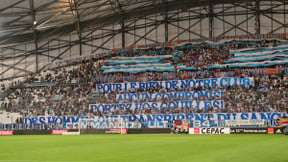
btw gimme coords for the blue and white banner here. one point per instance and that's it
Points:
(250, 64)
(30, 126)
(115, 124)
(159, 117)
(260, 58)
(253, 51)
(206, 83)
(135, 60)
(173, 95)
(137, 64)
(216, 104)
(41, 84)
(138, 68)
(245, 123)
(254, 58)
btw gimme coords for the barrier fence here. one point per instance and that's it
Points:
(136, 124)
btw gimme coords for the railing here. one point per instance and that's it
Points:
(147, 124)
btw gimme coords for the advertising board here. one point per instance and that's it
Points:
(217, 130)
(116, 131)
(270, 130)
(6, 133)
(249, 130)
(58, 131)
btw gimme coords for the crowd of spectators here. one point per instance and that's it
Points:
(74, 87)
(7, 83)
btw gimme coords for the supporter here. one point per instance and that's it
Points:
(74, 87)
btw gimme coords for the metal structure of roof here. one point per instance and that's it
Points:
(36, 32)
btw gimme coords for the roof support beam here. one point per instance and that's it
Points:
(123, 32)
(14, 65)
(165, 12)
(257, 17)
(75, 12)
(211, 19)
(12, 5)
(20, 69)
(35, 36)
(122, 23)
(120, 15)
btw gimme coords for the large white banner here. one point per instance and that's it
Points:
(206, 83)
(217, 104)
(173, 95)
(159, 117)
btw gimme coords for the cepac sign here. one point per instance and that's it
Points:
(216, 130)
(6, 133)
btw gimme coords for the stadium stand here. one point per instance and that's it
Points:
(143, 80)
(68, 88)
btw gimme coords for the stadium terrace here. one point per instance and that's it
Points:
(207, 80)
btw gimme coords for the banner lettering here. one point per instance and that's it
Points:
(170, 84)
(216, 104)
(158, 117)
(173, 95)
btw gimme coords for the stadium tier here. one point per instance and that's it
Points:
(228, 77)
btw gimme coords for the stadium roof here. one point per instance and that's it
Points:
(21, 19)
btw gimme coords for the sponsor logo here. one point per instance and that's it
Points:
(59, 131)
(254, 131)
(278, 131)
(6, 133)
(209, 130)
(212, 131)
(71, 133)
(239, 123)
(270, 130)
(124, 131)
(196, 130)
(249, 130)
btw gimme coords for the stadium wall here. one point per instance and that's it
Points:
(215, 130)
